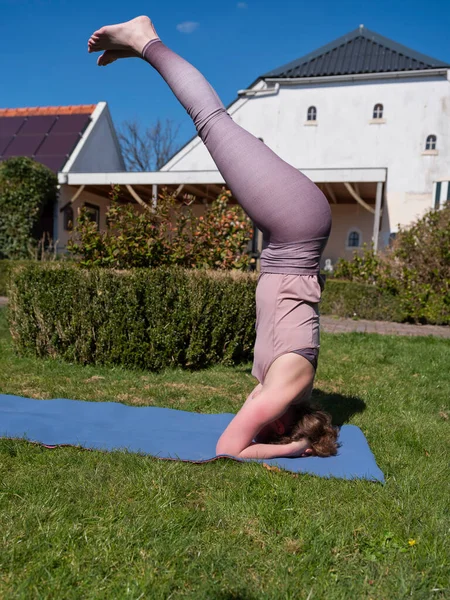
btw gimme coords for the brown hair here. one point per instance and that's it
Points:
(313, 423)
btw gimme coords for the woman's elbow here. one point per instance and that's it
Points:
(222, 448)
(230, 449)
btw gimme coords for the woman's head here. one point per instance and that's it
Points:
(304, 421)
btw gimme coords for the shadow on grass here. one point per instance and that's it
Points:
(341, 408)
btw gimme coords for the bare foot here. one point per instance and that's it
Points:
(110, 56)
(129, 36)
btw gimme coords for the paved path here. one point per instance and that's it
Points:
(338, 325)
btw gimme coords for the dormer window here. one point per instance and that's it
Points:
(431, 142)
(378, 111)
(311, 114)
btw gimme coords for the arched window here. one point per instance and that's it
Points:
(378, 111)
(353, 239)
(431, 142)
(68, 218)
(312, 114)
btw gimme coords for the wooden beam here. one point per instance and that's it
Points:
(178, 190)
(358, 198)
(199, 192)
(74, 197)
(139, 199)
(331, 193)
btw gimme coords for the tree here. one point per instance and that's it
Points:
(150, 149)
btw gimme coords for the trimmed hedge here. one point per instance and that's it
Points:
(145, 318)
(154, 318)
(6, 266)
(350, 299)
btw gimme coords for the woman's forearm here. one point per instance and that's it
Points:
(291, 450)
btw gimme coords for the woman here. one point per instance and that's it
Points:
(295, 219)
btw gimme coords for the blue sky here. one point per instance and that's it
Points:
(44, 61)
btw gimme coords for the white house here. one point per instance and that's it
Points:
(364, 117)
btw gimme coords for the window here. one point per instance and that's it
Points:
(437, 195)
(353, 239)
(431, 142)
(378, 111)
(68, 218)
(312, 114)
(93, 213)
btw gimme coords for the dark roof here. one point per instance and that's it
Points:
(360, 51)
(46, 134)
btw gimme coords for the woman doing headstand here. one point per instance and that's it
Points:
(294, 216)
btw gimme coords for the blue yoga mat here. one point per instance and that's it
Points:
(161, 432)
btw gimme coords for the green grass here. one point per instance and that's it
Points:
(79, 524)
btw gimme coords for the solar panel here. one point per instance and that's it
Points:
(38, 124)
(10, 125)
(24, 145)
(49, 139)
(4, 141)
(61, 144)
(55, 163)
(71, 124)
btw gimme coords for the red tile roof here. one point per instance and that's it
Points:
(81, 109)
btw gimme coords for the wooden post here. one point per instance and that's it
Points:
(154, 195)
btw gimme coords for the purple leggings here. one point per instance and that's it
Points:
(286, 206)
(290, 210)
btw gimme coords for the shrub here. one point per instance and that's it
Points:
(169, 234)
(359, 300)
(146, 318)
(6, 268)
(416, 268)
(153, 318)
(26, 188)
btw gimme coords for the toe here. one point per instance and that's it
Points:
(105, 59)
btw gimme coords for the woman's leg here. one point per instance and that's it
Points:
(280, 199)
(285, 204)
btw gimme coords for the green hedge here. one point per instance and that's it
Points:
(6, 266)
(154, 318)
(145, 318)
(363, 301)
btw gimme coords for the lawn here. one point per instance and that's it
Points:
(80, 524)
